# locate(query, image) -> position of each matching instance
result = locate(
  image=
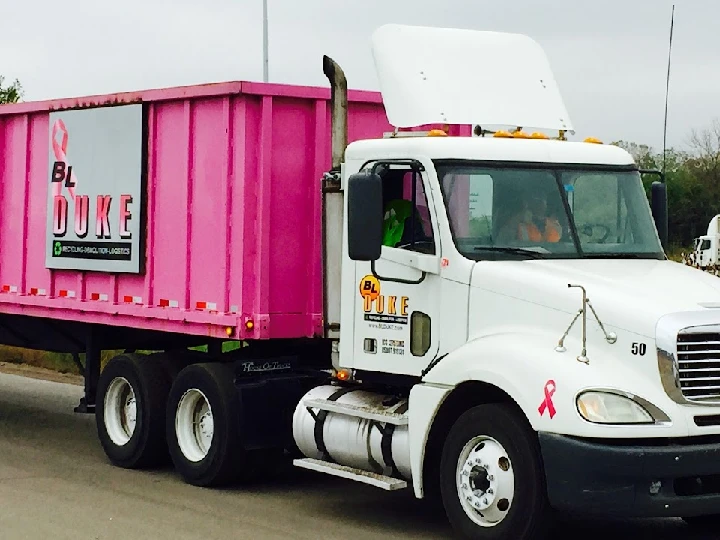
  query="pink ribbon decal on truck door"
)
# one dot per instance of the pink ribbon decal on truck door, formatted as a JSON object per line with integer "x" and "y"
{"x": 60, "y": 151}
{"x": 548, "y": 402}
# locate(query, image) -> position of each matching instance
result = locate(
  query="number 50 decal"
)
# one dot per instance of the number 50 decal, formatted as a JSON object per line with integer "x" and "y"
{"x": 638, "y": 349}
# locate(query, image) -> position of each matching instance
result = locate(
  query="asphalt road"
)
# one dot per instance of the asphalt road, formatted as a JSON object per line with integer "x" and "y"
{"x": 55, "y": 482}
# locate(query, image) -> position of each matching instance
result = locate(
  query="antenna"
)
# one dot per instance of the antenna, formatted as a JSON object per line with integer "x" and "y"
{"x": 667, "y": 87}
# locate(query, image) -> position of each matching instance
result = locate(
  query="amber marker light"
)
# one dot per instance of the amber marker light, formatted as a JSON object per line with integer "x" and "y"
{"x": 342, "y": 375}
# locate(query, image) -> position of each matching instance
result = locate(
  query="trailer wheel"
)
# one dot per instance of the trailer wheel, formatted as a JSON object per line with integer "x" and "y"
{"x": 172, "y": 362}
{"x": 203, "y": 425}
{"x": 130, "y": 411}
{"x": 491, "y": 476}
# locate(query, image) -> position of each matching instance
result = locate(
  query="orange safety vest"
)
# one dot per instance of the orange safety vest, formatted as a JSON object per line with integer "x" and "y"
{"x": 530, "y": 232}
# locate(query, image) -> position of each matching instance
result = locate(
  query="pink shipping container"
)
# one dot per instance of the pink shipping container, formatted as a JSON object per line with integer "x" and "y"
{"x": 232, "y": 212}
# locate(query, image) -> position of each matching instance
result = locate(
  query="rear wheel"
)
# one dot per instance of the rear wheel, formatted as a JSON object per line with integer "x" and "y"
{"x": 491, "y": 477}
{"x": 203, "y": 425}
{"x": 130, "y": 411}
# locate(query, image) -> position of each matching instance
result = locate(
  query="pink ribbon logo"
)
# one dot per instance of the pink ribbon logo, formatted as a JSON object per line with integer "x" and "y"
{"x": 60, "y": 151}
{"x": 547, "y": 402}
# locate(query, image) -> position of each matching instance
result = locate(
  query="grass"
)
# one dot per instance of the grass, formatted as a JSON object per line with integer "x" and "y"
{"x": 62, "y": 363}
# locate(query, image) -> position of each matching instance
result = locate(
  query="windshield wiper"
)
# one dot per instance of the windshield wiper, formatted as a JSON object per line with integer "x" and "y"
{"x": 621, "y": 255}
{"x": 517, "y": 251}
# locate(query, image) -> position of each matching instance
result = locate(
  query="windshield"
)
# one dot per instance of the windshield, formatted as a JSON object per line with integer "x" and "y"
{"x": 507, "y": 211}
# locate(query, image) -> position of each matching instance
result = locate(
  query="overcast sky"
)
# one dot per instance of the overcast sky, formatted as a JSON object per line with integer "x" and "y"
{"x": 609, "y": 57}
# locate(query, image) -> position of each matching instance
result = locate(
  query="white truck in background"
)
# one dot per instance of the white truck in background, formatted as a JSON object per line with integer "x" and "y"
{"x": 706, "y": 249}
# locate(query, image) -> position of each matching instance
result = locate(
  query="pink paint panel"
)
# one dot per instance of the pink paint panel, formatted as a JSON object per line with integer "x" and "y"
{"x": 233, "y": 215}
{"x": 167, "y": 224}
{"x": 36, "y": 213}
{"x": 14, "y": 137}
{"x": 208, "y": 207}
{"x": 291, "y": 219}
{"x": 251, "y": 261}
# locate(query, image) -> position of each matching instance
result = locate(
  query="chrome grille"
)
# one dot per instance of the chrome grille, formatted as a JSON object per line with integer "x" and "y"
{"x": 698, "y": 358}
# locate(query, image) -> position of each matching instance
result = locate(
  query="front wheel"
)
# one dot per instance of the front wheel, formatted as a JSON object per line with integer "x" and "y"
{"x": 491, "y": 476}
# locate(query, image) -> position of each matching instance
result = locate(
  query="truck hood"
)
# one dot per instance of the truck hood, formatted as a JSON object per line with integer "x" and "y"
{"x": 629, "y": 294}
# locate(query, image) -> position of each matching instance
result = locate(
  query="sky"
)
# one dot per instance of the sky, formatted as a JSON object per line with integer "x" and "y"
{"x": 609, "y": 58}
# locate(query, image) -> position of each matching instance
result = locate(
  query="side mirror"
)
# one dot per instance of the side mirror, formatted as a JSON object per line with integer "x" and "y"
{"x": 660, "y": 210}
{"x": 365, "y": 216}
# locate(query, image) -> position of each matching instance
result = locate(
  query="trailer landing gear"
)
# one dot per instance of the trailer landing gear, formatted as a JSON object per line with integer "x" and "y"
{"x": 91, "y": 370}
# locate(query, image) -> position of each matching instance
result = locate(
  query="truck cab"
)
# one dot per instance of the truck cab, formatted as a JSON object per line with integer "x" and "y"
{"x": 495, "y": 228}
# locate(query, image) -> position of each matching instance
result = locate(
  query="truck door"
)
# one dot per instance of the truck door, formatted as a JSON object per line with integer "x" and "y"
{"x": 397, "y": 299}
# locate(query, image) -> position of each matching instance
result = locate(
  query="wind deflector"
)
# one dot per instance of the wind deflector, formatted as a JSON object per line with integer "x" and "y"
{"x": 455, "y": 76}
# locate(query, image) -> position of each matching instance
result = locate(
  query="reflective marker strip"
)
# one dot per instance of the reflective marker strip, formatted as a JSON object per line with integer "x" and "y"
{"x": 34, "y": 291}
{"x": 132, "y": 299}
{"x": 169, "y": 303}
{"x": 210, "y": 306}
{"x": 98, "y": 297}
{"x": 8, "y": 289}
{"x": 66, "y": 294}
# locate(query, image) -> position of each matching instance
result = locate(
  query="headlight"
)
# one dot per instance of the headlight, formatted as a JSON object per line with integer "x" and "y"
{"x": 611, "y": 408}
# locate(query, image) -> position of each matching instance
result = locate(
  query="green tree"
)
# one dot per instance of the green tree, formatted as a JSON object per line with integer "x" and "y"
{"x": 693, "y": 181}
{"x": 641, "y": 153}
{"x": 10, "y": 94}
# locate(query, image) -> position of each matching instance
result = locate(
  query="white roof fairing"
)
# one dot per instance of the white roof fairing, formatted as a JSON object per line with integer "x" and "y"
{"x": 490, "y": 149}
{"x": 455, "y": 76}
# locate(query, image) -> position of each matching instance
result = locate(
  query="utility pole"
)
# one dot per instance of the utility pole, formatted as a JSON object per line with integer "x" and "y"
{"x": 265, "y": 41}
{"x": 667, "y": 87}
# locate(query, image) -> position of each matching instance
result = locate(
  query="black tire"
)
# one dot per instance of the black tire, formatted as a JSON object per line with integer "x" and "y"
{"x": 529, "y": 514}
{"x": 225, "y": 458}
{"x": 151, "y": 386}
{"x": 172, "y": 362}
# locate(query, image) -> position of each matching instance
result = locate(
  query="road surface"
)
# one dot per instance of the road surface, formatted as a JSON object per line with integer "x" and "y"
{"x": 55, "y": 482}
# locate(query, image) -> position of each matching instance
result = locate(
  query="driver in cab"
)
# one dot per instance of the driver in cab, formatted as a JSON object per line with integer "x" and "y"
{"x": 532, "y": 223}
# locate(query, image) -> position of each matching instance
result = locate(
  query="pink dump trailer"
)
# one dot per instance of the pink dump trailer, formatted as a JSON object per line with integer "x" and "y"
{"x": 193, "y": 210}
{"x": 170, "y": 219}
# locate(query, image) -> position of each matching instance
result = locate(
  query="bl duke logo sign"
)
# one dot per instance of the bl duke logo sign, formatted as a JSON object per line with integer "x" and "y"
{"x": 95, "y": 189}
{"x": 379, "y": 307}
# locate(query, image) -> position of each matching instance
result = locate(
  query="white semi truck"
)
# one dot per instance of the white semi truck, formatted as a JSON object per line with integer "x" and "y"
{"x": 706, "y": 249}
{"x": 554, "y": 357}
{"x": 501, "y": 329}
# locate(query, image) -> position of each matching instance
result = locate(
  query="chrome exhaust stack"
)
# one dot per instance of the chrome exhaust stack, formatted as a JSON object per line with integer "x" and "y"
{"x": 339, "y": 105}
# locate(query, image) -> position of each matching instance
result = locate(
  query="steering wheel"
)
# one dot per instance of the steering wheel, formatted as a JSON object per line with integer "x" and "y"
{"x": 588, "y": 229}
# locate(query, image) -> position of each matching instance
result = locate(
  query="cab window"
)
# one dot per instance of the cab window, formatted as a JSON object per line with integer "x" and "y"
{"x": 406, "y": 214}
